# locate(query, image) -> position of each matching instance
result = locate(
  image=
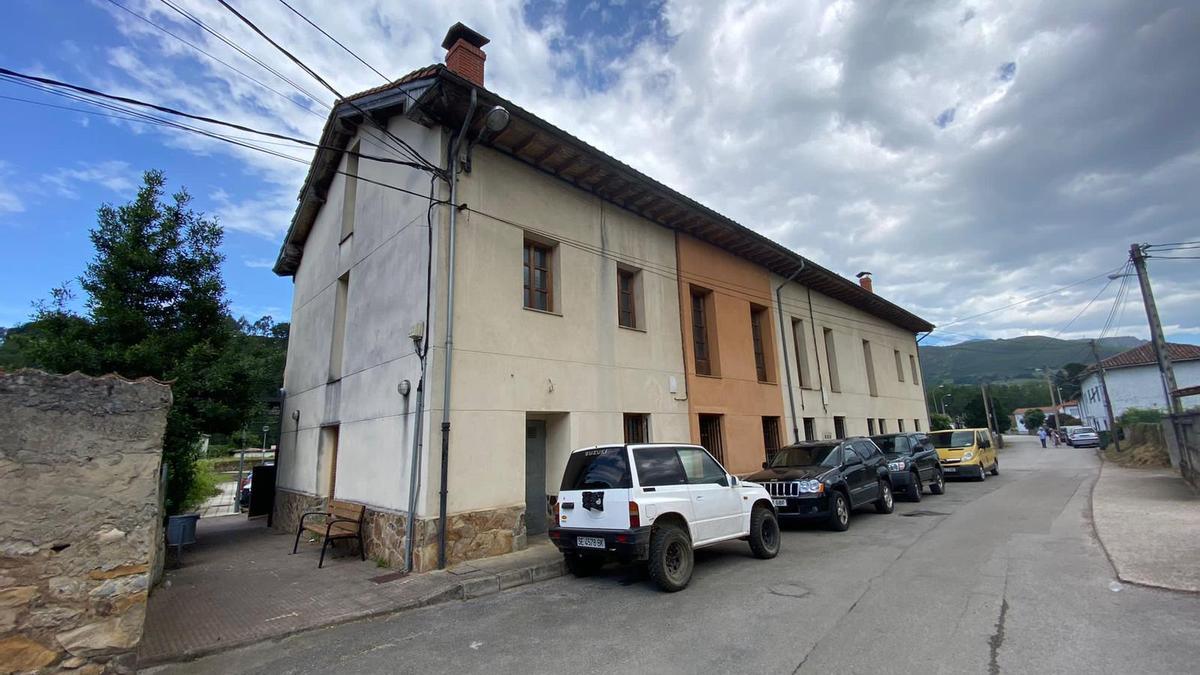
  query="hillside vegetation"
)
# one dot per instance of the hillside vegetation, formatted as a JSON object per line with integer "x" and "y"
{"x": 1003, "y": 360}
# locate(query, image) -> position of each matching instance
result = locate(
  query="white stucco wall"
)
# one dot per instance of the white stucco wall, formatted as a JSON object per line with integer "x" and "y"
{"x": 895, "y": 399}
{"x": 385, "y": 257}
{"x": 1134, "y": 387}
{"x": 510, "y": 361}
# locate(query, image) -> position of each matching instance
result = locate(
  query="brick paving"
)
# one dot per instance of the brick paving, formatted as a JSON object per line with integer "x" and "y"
{"x": 238, "y": 585}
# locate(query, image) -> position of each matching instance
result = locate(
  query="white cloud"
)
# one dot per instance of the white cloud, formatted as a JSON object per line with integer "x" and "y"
{"x": 113, "y": 175}
{"x": 9, "y": 201}
{"x": 258, "y": 263}
{"x": 813, "y": 122}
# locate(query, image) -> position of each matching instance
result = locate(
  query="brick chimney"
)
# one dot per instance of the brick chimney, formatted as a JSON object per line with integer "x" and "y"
{"x": 464, "y": 53}
{"x": 864, "y": 280}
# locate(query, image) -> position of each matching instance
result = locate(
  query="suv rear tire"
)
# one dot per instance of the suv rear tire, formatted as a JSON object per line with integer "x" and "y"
{"x": 764, "y": 533}
{"x": 996, "y": 468}
{"x": 887, "y": 501}
{"x": 671, "y": 559}
{"x": 938, "y": 486}
{"x": 839, "y": 512}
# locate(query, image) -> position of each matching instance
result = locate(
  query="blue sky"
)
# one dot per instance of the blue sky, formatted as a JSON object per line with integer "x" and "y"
{"x": 970, "y": 154}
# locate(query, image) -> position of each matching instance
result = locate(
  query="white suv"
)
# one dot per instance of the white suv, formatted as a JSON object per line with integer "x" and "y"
{"x": 656, "y": 503}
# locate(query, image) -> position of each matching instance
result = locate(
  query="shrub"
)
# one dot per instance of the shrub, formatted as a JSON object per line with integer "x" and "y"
{"x": 1133, "y": 416}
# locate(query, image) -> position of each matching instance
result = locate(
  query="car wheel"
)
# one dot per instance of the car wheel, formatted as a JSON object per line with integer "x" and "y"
{"x": 996, "y": 467}
{"x": 582, "y": 565}
{"x": 839, "y": 512}
{"x": 671, "y": 559}
{"x": 982, "y": 474}
{"x": 914, "y": 488}
{"x": 764, "y": 533}
{"x": 938, "y": 486}
{"x": 886, "y": 502}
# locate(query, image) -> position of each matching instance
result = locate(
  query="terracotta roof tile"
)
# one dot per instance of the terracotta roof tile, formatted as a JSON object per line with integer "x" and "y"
{"x": 1144, "y": 355}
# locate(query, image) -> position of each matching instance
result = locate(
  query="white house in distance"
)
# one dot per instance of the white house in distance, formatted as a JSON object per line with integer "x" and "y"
{"x": 1068, "y": 408}
{"x": 1134, "y": 382}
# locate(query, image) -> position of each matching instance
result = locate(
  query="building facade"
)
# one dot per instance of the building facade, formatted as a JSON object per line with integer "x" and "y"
{"x": 1134, "y": 381}
{"x": 556, "y": 299}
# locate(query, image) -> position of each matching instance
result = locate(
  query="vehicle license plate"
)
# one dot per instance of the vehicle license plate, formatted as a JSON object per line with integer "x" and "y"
{"x": 589, "y": 542}
{"x": 779, "y": 502}
{"x": 950, "y": 469}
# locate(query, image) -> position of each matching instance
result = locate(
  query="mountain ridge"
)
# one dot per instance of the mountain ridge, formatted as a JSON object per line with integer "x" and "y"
{"x": 1002, "y": 360}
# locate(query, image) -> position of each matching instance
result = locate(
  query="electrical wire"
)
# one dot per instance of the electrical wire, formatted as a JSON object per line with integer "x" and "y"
{"x": 335, "y": 40}
{"x": 220, "y": 61}
{"x": 414, "y": 154}
{"x": 1031, "y": 299}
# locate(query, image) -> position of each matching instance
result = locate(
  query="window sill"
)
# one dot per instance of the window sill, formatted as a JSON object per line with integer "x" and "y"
{"x": 767, "y": 382}
{"x": 632, "y": 328}
{"x": 540, "y": 311}
{"x": 709, "y": 376}
{"x": 332, "y": 380}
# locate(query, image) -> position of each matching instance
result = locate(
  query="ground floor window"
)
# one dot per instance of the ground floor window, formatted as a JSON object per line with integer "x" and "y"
{"x": 770, "y": 427}
{"x": 883, "y": 426}
{"x": 637, "y": 428}
{"x": 810, "y": 429}
{"x": 710, "y": 436}
{"x": 839, "y": 427}
{"x": 870, "y": 427}
{"x": 916, "y": 425}
{"x": 900, "y": 426}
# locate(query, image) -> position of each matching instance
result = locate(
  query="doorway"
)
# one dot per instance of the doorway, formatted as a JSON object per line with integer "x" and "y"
{"x": 535, "y": 477}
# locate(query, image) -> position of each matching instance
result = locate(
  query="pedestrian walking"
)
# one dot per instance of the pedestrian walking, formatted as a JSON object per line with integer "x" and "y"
{"x": 1054, "y": 437}
{"x": 1042, "y": 435}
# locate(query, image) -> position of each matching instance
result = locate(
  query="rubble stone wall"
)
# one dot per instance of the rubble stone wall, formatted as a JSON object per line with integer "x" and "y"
{"x": 469, "y": 536}
{"x": 80, "y": 459}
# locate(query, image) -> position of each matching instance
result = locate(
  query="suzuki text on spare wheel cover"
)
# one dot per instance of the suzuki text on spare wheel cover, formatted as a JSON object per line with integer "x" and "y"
{"x": 656, "y": 504}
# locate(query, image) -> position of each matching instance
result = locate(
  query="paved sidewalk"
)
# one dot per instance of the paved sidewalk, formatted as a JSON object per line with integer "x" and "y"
{"x": 1149, "y": 523}
{"x": 239, "y": 585}
{"x": 224, "y": 504}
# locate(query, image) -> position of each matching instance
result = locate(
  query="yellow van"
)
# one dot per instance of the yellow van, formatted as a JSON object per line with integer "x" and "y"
{"x": 966, "y": 452}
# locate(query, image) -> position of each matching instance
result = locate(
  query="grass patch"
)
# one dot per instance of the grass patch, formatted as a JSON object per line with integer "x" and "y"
{"x": 203, "y": 487}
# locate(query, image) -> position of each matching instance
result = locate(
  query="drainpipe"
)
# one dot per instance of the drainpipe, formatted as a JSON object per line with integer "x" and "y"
{"x": 452, "y": 170}
{"x": 787, "y": 366}
{"x": 414, "y": 475}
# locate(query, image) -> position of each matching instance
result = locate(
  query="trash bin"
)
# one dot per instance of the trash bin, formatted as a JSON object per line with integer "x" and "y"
{"x": 181, "y": 529}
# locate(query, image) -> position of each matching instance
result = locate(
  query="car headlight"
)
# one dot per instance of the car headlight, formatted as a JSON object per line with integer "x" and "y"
{"x": 967, "y": 455}
{"x": 811, "y": 486}
{"x": 898, "y": 465}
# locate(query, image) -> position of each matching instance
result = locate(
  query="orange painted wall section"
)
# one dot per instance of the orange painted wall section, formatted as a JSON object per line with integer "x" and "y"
{"x": 733, "y": 390}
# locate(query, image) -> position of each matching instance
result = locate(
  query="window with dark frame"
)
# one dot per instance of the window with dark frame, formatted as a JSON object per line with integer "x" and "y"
{"x": 710, "y": 436}
{"x": 900, "y": 425}
{"x": 539, "y": 284}
{"x": 700, "y": 343}
{"x": 770, "y": 427}
{"x": 756, "y": 330}
{"x": 839, "y": 427}
{"x": 626, "y": 298}
{"x": 916, "y": 425}
{"x": 882, "y": 426}
{"x": 637, "y": 428}
{"x": 810, "y": 428}
{"x": 870, "y": 427}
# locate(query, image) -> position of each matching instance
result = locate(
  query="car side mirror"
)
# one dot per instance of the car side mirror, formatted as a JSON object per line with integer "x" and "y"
{"x": 733, "y": 481}
{"x": 853, "y": 460}
{"x": 985, "y": 445}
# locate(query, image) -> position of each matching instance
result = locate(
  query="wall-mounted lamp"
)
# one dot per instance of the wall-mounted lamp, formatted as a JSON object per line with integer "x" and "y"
{"x": 296, "y": 415}
{"x": 404, "y": 387}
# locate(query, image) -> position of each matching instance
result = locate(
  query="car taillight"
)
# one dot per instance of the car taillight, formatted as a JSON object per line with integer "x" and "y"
{"x": 555, "y": 511}
{"x": 635, "y": 517}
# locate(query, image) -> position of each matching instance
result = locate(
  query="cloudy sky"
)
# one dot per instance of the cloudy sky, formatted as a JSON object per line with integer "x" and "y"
{"x": 969, "y": 154}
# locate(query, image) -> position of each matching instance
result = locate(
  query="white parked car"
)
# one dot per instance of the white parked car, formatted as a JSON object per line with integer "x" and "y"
{"x": 1083, "y": 437}
{"x": 656, "y": 503}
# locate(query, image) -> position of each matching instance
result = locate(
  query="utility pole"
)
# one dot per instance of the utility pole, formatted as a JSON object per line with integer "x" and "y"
{"x": 1112, "y": 424}
{"x": 987, "y": 408}
{"x": 1138, "y": 256}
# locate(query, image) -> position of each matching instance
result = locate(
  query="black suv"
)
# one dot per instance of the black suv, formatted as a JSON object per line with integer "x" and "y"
{"x": 825, "y": 480}
{"x": 913, "y": 463}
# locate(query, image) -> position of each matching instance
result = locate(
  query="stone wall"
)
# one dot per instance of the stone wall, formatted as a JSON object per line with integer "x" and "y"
{"x": 469, "y": 536}
{"x": 80, "y": 460}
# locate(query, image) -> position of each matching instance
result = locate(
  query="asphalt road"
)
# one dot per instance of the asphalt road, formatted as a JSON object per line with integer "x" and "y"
{"x": 1000, "y": 576}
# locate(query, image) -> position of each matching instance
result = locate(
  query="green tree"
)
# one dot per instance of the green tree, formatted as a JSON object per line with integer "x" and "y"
{"x": 155, "y": 307}
{"x": 1034, "y": 419}
{"x": 939, "y": 422}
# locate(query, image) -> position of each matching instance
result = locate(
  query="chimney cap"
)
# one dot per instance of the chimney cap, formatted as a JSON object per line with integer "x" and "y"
{"x": 460, "y": 31}
{"x": 862, "y": 274}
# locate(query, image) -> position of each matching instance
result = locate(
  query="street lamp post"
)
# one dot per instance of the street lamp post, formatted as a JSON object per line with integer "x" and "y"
{"x": 944, "y": 397}
{"x": 265, "y": 430}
